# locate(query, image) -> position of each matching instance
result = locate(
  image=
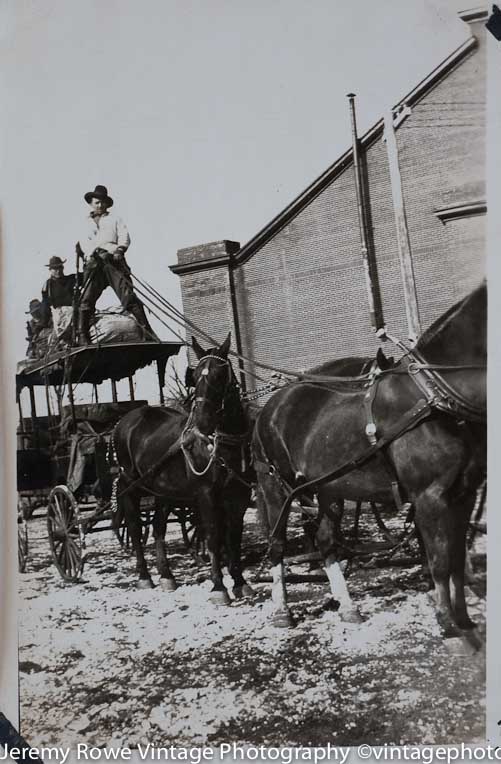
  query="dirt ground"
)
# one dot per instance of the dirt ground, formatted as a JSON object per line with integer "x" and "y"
{"x": 104, "y": 663}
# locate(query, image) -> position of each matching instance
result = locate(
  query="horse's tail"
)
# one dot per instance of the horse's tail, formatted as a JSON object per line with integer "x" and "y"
{"x": 259, "y": 461}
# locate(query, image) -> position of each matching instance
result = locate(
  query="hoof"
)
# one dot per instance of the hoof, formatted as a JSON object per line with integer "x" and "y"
{"x": 168, "y": 584}
{"x": 473, "y": 639}
{"x": 243, "y": 591}
{"x": 464, "y": 646}
{"x": 219, "y": 597}
{"x": 282, "y": 619}
{"x": 144, "y": 583}
{"x": 351, "y": 615}
{"x": 467, "y": 624}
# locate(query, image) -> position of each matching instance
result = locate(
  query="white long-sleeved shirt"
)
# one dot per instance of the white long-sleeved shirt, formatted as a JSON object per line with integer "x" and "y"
{"x": 107, "y": 231}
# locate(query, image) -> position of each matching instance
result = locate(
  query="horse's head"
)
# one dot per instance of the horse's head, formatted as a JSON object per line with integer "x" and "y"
{"x": 211, "y": 378}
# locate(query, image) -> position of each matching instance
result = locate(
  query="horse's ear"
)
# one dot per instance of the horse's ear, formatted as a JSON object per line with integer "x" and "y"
{"x": 223, "y": 350}
{"x": 382, "y": 361}
{"x": 189, "y": 378}
{"x": 197, "y": 349}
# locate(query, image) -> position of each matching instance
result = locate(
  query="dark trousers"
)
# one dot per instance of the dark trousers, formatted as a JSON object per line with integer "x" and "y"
{"x": 99, "y": 274}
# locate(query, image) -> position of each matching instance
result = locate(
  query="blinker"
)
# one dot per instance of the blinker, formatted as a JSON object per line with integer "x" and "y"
{"x": 205, "y": 372}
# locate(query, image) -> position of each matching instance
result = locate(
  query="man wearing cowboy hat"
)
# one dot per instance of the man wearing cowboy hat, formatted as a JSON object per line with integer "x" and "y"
{"x": 35, "y": 326}
{"x": 59, "y": 287}
{"x": 57, "y": 297}
{"x": 104, "y": 243}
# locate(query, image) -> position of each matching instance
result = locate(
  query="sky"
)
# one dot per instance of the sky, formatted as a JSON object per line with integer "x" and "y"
{"x": 203, "y": 118}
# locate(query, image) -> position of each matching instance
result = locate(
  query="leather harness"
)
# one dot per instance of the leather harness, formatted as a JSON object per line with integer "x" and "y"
{"x": 437, "y": 394}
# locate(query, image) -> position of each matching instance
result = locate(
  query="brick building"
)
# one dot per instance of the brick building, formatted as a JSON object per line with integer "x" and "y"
{"x": 295, "y": 295}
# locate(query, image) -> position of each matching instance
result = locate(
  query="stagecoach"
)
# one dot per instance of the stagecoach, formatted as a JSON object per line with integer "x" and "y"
{"x": 64, "y": 457}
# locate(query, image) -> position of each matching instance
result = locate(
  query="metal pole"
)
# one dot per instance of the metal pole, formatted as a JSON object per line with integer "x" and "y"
{"x": 404, "y": 245}
{"x": 50, "y": 420}
{"x": 362, "y": 221}
{"x": 131, "y": 388}
{"x": 34, "y": 422}
{"x": 236, "y": 326}
{"x": 21, "y": 421}
{"x": 20, "y": 409}
{"x": 59, "y": 395}
{"x": 72, "y": 405}
{"x": 160, "y": 386}
{"x": 114, "y": 391}
{"x": 96, "y": 393}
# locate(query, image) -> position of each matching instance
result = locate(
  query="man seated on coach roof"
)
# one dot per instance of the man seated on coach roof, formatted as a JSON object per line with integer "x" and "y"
{"x": 39, "y": 322}
{"x": 104, "y": 243}
{"x": 59, "y": 288}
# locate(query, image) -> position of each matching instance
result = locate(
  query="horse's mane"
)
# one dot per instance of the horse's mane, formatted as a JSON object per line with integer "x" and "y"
{"x": 443, "y": 320}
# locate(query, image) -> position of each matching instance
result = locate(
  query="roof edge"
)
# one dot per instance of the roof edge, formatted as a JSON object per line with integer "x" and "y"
{"x": 340, "y": 165}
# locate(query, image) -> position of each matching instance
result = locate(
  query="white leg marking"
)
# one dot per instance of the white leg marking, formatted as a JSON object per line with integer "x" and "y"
{"x": 278, "y": 591}
{"x": 337, "y": 581}
{"x": 347, "y": 609}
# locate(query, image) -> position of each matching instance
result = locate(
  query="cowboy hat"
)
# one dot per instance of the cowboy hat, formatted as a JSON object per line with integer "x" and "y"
{"x": 100, "y": 192}
{"x": 34, "y": 304}
{"x": 55, "y": 262}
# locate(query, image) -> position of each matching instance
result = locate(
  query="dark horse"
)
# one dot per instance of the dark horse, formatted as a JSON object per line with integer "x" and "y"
{"x": 195, "y": 459}
{"x": 430, "y": 436}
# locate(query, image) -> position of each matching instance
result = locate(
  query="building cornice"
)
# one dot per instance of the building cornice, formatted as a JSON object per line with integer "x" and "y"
{"x": 461, "y": 211}
{"x": 200, "y": 265}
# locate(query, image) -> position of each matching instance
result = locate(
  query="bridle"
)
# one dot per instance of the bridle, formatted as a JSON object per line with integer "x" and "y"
{"x": 438, "y": 392}
{"x": 191, "y": 432}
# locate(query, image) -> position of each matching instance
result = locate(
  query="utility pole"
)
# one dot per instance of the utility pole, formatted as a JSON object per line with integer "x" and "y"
{"x": 404, "y": 246}
{"x": 370, "y": 285}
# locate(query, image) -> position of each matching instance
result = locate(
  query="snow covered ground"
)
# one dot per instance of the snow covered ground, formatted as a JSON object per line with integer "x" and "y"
{"x": 104, "y": 663}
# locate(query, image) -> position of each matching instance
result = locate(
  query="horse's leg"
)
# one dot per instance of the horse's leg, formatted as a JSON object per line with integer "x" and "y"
{"x": 310, "y": 526}
{"x": 167, "y": 580}
{"x": 460, "y": 519}
{"x": 212, "y": 519}
{"x": 132, "y": 513}
{"x": 435, "y": 523}
{"x": 236, "y": 501}
{"x": 329, "y": 530}
{"x": 270, "y": 498}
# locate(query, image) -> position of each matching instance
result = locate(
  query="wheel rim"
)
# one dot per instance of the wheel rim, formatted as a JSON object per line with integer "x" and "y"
{"x": 65, "y": 536}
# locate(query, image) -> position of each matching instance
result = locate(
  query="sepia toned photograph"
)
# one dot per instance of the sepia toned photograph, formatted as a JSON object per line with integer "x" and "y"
{"x": 244, "y": 344}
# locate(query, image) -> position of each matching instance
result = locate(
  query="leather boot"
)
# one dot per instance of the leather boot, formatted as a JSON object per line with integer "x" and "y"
{"x": 147, "y": 333}
{"x": 83, "y": 327}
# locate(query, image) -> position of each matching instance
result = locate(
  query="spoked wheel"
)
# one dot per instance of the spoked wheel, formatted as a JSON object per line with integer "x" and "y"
{"x": 65, "y": 533}
{"x": 193, "y": 538}
{"x": 22, "y": 543}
